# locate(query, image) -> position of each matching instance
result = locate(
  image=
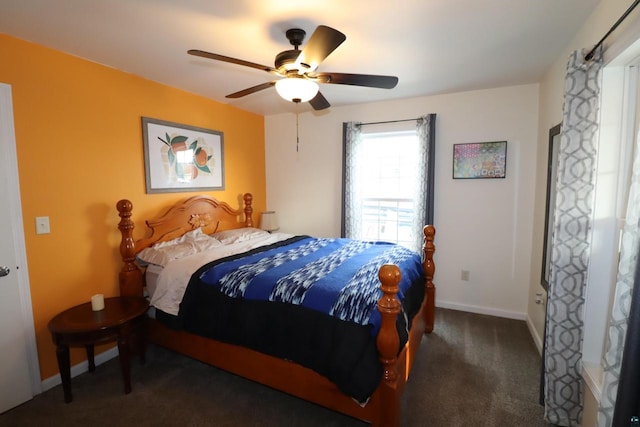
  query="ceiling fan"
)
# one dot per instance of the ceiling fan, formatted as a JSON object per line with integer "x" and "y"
{"x": 298, "y": 67}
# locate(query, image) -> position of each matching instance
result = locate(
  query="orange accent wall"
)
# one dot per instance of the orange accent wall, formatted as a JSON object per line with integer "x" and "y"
{"x": 79, "y": 143}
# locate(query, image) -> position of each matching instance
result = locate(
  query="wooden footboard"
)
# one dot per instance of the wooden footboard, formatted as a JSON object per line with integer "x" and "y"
{"x": 383, "y": 409}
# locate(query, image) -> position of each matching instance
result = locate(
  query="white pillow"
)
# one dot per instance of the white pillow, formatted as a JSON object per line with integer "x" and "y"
{"x": 188, "y": 244}
{"x": 237, "y": 235}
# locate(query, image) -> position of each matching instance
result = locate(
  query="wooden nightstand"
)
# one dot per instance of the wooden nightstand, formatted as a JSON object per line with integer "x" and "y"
{"x": 121, "y": 320}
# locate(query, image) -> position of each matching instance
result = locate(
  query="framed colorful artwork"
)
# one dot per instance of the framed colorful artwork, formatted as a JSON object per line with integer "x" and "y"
{"x": 182, "y": 158}
{"x": 480, "y": 160}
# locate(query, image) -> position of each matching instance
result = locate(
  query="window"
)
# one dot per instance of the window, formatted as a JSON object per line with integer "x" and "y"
{"x": 388, "y": 191}
{"x": 390, "y": 177}
{"x": 620, "y": 111}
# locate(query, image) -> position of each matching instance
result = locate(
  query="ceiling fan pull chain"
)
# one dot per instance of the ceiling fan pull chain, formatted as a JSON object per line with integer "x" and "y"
{"x": 297, "y": 131}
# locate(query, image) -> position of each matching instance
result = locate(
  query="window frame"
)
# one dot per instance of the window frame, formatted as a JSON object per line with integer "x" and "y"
{"x": 391, "y": 127}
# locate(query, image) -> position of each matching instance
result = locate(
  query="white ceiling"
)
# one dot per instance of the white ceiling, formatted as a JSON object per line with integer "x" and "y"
{"x": 433, "y": 46}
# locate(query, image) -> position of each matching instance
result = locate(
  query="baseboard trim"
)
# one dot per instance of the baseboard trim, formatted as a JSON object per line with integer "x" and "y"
{"x": 80, "y": 368}
{"x": 537, "y": 339}
{"x": 593, "y": 376}
{"x": 481, "y": 310}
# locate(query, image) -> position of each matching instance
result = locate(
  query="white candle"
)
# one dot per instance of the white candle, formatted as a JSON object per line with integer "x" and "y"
{"x": 97, "y": 302}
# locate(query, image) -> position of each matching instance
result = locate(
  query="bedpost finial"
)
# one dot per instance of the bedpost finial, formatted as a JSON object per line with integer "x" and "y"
{"x": 389, "y": 275}
{"x": 124, "y": 206}
{"x": 429, "y": 231}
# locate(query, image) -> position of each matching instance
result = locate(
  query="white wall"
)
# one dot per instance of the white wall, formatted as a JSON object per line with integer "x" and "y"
{"x": 484, "y": 226}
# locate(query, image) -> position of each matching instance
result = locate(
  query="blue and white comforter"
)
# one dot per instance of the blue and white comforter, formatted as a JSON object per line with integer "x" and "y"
{"x": 338, "y": 277}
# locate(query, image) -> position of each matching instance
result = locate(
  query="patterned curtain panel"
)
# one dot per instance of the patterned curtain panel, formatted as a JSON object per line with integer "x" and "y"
{"x": 352, "y": 209}
{"x": 426, "y": 131}
{"x": 423, "y": 125}
{"x": 563, "y": 392}
{"x": 612, "y": 359}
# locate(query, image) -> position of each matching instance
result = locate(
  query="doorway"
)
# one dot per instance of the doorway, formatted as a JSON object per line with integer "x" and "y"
{"x": 19, "y": 369}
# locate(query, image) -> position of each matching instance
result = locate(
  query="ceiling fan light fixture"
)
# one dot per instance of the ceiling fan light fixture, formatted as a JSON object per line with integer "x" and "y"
{"x": 296, "y": 89}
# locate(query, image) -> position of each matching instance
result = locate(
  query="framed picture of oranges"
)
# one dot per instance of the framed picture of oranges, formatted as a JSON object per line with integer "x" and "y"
{"x": 181, "y": 158}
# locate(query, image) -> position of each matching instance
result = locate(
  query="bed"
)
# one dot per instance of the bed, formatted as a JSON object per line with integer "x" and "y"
{"x": 394, "y": 350}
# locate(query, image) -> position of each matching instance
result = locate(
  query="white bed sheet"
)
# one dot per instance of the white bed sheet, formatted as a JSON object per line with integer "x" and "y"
{"x": 171, "y": 282}
{"x": 151, "y": 274}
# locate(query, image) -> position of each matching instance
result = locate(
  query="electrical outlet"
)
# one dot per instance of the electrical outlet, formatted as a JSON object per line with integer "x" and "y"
{"x": 42, "y": 225}
{"x": 464, "y": 275}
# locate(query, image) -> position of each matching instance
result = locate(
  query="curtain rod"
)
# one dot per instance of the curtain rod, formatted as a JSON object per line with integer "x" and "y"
{"x": 589, "y": 55}
{"x": 394, "y": 121}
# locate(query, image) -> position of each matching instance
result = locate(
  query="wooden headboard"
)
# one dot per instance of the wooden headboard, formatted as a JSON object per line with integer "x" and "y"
{"x": 195, "y": 212}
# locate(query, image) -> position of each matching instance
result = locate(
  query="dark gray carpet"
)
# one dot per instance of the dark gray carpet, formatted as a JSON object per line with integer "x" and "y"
{"x": 473, "y": 370}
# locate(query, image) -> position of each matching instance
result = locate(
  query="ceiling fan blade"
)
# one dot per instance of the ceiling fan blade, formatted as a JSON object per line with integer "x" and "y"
{"x": 319, "y": 102}
{"x": 368, "y": 80}
{"x": 236, "y": 61}
{"x": 251, "y": 90}
{"x": 323, "y": 41}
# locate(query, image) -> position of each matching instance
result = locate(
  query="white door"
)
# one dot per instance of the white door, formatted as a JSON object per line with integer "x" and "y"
{"x": 19, "y": 372}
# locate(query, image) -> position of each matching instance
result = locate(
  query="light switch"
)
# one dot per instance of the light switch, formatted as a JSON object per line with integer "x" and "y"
{"x": 42, "y": 225}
